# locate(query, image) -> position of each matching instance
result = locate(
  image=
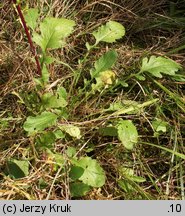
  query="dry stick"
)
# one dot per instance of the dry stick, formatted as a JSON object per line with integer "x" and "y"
{"x": 32, "y": 47}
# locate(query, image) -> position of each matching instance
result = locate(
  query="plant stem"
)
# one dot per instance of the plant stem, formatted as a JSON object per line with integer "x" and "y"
{"x": 32, "y": 47}
{"x": 180, "y": 155}
{"x": 83, "y": 61}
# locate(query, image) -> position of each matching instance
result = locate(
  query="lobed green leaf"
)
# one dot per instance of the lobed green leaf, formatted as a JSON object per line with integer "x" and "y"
{"x": 31, "y": 16}
{"x": 93, "y": 174}
{"x": 39, "y": 122}
{"x": 110, "y": 32}
{"x": 53, "y": 32}
{"x": 157, "y": 65}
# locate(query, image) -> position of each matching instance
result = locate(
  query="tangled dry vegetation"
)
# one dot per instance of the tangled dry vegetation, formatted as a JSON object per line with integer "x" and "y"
{"x": 153, "y": 27}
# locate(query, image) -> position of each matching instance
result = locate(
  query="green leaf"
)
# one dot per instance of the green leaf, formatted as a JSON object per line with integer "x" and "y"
{"x": 76, "y": 172}
{"x": 110, "y": 32}
{"x": 46, "y": 140}
{"x": 39, "y": 122}
{"x": 49, "y": 100}
{"x": 3, "y": 124}
{"x": 45, "y": 74}
{"x": 18, "y": 168}
{"x": 42, "y": 184}
{"x": 104, "y": 63}
{"x": 140, "y": 77}
{"x": 159, "y": 125}
{"x": 59, "y": 134}
{"x": 88, "y": 46}
{"x": 134, "y": 105}
{"x": 125, "y": 171}
{"x": 79, "y": 189}
{"x": 59, "y": 159}
{"x": 126, "y": 104}
{"x": 124, "y": 185}
{"x": 53, "y": 32}
{"x": 93, "y": 173}
{"x": 31, "y": 17}
{"x": 157, "y": 65}
{"x": 45, "y": 77}
{"x": 115, "y": 106}
{"x": 61, "y": 91}
{"x": 71, "y": 151}
{"x": 179, "y": 77}
{"x": 62, "y": 112}
{"x": 57, "y": 100}
{"x": 127, "y": 133}
{"x": 122, "y": 83}
{"x": 137, "y": 179}
{"x": 72, "y": 130}
{"x": 48, "y": 60}
{"x": 129, "y": 174}
{"x": 108, "y": 131}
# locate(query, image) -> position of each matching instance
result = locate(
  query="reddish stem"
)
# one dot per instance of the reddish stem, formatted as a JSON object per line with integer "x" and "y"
{"x": 32, "y": 47}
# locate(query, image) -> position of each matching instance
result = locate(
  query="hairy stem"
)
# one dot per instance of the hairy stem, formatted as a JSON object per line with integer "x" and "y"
{"x": 32, "y": 47}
